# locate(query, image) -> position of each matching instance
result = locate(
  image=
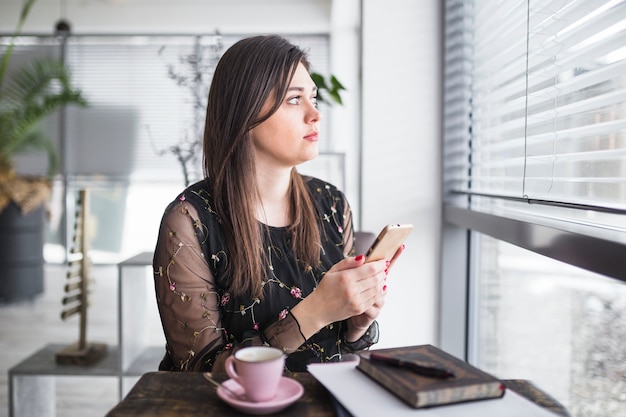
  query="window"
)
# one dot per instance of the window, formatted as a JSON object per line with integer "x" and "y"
{"x": 560, "y": 326}
{"x": 535, "y": 155}
{"x": 144, "y": 100}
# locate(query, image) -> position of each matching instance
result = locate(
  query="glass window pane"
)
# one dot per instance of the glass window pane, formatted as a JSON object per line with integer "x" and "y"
{"x": 561, "y": 327}
{"x": 146, "y": 101}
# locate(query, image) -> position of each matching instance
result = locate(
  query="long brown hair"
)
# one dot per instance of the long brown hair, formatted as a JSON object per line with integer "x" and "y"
{"x": 252, "y": 72}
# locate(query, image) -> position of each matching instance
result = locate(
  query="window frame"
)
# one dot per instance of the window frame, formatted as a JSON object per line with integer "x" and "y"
{"x": 582, "y": 246}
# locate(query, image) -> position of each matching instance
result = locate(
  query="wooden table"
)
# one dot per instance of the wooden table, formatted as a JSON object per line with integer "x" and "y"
{"x": 177, "y": 394}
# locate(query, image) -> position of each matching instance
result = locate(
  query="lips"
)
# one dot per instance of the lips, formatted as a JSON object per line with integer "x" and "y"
{"x": 312, "y": 137}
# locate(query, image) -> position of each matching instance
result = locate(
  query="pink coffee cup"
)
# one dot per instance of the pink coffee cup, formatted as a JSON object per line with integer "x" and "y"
{"x": 258, "y": 370}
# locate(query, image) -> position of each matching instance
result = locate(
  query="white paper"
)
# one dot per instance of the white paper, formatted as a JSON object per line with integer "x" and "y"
{"x": 363, "y": 397}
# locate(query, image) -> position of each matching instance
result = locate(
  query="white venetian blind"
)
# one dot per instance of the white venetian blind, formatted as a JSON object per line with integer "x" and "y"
{"x": 546, "y": 81}
{"x": 457, "y": 94}
{"x": 138, "y": 112}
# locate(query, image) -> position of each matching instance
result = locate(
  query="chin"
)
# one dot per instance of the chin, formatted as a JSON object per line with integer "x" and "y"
{"x": 312, "y": 156}
{"x": 308, "y": 158}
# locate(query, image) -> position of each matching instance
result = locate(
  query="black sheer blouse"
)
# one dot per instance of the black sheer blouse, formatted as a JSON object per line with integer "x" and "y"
{"x": 203, "y": 323}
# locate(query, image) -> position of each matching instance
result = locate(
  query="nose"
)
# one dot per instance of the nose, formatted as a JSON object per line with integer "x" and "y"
{"x": 313, "y": 113}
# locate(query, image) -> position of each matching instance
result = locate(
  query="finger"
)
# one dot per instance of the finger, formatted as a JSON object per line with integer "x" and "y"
{"x": 366, "y": 276}
{"x": 396, "y": 255}
{"x": 374, "y": 293}
{"x": 373, "y": 312}
{"x": 348, "y": 263}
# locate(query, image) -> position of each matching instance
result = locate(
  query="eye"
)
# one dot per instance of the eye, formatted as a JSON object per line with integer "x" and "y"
{"x": 294, "y": 100}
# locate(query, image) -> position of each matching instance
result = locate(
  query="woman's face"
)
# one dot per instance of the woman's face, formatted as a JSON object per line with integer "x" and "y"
{"x": 289, "y": 136}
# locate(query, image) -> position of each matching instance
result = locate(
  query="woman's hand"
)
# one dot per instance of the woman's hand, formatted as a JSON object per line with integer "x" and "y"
{"x": 358, "y": 325}
{"x": 348, "y": 289}
{"x": 351, "y": 289}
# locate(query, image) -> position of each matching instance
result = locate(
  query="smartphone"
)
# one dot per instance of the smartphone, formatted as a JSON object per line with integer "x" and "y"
{"x": 388, "y": 242}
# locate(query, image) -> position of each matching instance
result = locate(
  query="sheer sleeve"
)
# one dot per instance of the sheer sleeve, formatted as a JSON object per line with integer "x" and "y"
{"x": 348, "y": 230}
{"x": 370, "y": 337}
{"x": 187, "y": 297}
{"x": 189, "y": 301}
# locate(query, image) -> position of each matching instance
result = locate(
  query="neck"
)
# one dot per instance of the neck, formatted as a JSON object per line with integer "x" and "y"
{"x": 273, "y": 187}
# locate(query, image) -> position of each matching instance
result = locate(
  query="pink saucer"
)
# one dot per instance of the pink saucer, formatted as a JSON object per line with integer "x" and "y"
{"x": 289, "y": 391}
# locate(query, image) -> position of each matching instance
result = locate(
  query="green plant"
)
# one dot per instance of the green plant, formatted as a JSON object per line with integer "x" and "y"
{"x": 332, "y": 87}
{"x": 26, "y": 97}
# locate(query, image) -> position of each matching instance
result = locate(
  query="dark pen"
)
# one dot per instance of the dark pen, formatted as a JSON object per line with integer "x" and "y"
{"x": 429, "y": 371}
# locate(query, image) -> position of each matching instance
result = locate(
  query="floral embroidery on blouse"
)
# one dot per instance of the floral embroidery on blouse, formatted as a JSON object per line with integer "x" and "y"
{"x": 211, "y": 320}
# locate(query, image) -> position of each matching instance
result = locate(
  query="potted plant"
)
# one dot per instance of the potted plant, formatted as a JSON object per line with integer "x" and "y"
{"x": 332, "y": 86}
{"x": 27, "y": 96}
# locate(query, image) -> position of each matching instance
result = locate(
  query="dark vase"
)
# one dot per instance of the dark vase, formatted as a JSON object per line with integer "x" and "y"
{"x": 21, "y": 253}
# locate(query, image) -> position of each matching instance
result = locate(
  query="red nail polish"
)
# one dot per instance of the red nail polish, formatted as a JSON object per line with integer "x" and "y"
{"x": 384, "y": 288}
{"x": 358, "y": 258}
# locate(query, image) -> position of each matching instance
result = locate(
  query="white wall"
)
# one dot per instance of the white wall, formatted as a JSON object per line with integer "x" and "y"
{"x": 401, "y": 169}
{"x": 400, "y": 129}
{"x": 171, "y": 16}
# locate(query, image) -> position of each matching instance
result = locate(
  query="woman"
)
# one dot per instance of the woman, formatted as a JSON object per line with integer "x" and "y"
{"x": 255, "y": 253}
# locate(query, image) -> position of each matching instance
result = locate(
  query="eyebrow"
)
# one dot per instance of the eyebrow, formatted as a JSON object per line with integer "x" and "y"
{"x": 295, "y": 88}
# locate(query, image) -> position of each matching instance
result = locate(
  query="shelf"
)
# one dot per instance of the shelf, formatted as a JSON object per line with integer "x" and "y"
{"x": 32, "y": 381}
{"x": 43, "y": 363}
